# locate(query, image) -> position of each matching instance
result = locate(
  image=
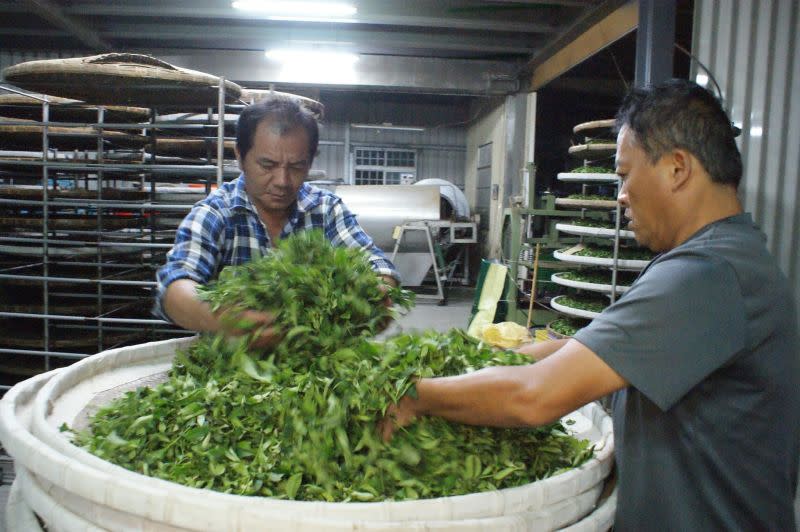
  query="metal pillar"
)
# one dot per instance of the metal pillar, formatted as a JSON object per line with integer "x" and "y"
{"x": 655, "y": 40}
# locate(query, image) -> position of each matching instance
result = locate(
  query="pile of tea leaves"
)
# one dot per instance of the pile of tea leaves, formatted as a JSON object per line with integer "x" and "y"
{"x": 567, "y": 326}
{"x": 322, "y": 296}
{"x": 299, "y": 422}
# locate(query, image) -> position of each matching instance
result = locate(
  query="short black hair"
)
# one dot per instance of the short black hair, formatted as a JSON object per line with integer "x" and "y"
{"x": 679, "y": 113}
{"x": 285, "y": 112}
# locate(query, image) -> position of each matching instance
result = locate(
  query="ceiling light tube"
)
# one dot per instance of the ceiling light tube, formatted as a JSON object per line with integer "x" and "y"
{"x": 298, "y": 9}
{"x": 388, "y": 126}
{"x": 287, "y": 55}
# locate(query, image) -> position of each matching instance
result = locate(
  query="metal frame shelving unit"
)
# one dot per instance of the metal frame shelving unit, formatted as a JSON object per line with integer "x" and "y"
{"x": 615, "y": 264}
{"x": 117, "y": 262}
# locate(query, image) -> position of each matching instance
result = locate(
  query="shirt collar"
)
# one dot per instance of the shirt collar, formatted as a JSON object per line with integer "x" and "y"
{"x": 307, "y": 198}
{"x": 240, "y": 198}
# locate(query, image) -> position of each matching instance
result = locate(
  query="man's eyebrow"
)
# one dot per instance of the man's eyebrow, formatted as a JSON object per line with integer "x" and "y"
{"x": 267, "y": 160}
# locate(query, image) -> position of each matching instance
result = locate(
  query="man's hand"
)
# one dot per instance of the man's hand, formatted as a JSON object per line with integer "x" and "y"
{"x": 235, "y": 322}
{"x": 397, "y": 416}
{"x": 386, "y": 282}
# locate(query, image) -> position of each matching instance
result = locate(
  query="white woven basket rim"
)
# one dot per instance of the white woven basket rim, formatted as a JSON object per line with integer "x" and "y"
{"x": 69, "y": 464}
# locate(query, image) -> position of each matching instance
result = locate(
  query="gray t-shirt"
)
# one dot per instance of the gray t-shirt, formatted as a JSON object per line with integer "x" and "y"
{"x": 708, "y": 432}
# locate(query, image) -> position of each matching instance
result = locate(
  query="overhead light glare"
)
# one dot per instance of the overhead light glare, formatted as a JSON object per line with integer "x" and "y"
{"x": 294, "y": 10}
{"x": 756, "y": 131}
{"x": 308, "y": 18}
{"x": 315, "y": 66}
{"x": 311, "y": 57}
{"x": 701, "y": 80}
{"x": 387, "y": 125}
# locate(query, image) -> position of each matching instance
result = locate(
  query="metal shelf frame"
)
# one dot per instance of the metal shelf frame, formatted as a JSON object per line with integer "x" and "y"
{"x": 94, "y": 168}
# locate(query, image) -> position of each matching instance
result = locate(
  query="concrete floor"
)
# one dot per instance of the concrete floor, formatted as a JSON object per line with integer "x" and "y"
{"x": 427, "y": 314}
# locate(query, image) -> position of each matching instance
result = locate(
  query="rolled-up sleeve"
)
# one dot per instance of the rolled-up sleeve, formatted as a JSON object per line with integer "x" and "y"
{"x": 196, "y": 254}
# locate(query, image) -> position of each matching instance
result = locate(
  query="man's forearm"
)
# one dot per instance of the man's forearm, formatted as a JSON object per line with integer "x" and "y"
{"x": 184, "y": 307}
{"x": 540, "y": 350}
{"x": 501, "y": 397}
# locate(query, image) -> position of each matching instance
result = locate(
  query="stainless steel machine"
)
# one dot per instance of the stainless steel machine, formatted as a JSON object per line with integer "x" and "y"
{"x": 425, "y": 228}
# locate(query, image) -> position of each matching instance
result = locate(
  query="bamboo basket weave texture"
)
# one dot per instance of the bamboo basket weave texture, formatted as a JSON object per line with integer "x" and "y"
{"x": 121, "y": 79}
{"x": 251, "y": 96}
{"x": 17, "y": 135}
{"x": 66, "y": 109}
{"x": 19, "y": 516}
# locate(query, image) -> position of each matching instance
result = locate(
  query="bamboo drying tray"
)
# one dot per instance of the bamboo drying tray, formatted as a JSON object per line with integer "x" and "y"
{"x": 594, "y": 124}
{"x": 592, "y": 150}
{"x": 193, "y": 147}
{"x": 16, "y": 133}
{"x": 121, "y": 79}
{"x": 34, "y": 192}
{"x": 250, "y": 96}
{"x": 66, "y": 109}
{"x": 65, "y": 223}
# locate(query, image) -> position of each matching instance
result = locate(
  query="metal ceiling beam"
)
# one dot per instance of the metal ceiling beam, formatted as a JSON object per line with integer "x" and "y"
{"x": 655, "y": 41}
{"x": 608, "y": 30}
{"x": 53, "y": 14}
{"x": 264, "y": 37}
{"x": 387, "y": 73}
{"x": 376, "y": 12}
{"x": 571, "y": 3}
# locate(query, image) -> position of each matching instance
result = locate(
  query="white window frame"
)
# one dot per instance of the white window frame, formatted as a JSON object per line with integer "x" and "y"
{"x": 408, "y": 173}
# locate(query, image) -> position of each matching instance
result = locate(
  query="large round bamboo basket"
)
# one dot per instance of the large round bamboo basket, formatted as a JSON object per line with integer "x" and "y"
{"x": 34, "y": 192}
{"x": 188, "y": 147}
{"x": 58, "y": 222}
{"x": 16, "y": 133}
{"x": 66, "y": 109}
{"x": 121, "y": 79}
{"x": 45, "y": 506}
{"x": 77, "y": 479}
{"x": 251, "y": 96}
{"x": 19, "y": 516}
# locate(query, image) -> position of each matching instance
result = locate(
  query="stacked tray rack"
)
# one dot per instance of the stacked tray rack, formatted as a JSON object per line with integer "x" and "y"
{"x": 605, "y": 271}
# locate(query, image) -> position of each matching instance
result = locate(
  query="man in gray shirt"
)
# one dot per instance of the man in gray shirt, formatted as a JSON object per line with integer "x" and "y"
{"x": 702, "y": 351}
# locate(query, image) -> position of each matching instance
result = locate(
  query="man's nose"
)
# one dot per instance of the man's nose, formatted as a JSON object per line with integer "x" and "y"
{"x": 622, "y": 195}
{"x": 281, "y": 174}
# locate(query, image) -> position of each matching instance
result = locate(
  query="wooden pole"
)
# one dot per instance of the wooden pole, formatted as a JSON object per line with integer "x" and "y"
{"x": 533, "y": 285}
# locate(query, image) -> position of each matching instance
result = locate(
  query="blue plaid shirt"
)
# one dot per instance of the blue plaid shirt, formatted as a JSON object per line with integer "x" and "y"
{"x": 224, "y": 229}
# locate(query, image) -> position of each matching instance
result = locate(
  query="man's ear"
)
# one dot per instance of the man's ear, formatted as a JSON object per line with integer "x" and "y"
{"x": 683, "y": 164}
{"x": 238, "y": 158}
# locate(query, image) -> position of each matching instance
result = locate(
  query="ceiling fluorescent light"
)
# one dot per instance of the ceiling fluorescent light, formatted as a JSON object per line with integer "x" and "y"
{"x": 315, "y": 66}
{"x": 388, "y": 126}
{"x": 285, "y": 55}
{"x": 297, "y": 10}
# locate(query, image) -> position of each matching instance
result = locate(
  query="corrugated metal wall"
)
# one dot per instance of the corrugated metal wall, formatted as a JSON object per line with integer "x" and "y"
{"x": 441, "y": 152}
{"x": 752, "y": 48}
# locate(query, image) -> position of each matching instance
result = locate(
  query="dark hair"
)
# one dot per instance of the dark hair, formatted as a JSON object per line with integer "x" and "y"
{"x": 285, "y": 113}
{"x": 679, "y": 113}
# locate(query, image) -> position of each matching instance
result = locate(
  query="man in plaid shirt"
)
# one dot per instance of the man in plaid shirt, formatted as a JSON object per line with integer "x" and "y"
{"x": 276, "y": 141}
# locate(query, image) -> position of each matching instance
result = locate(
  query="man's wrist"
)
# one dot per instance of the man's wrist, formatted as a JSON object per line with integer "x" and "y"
{"x": 388, "y": 279}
